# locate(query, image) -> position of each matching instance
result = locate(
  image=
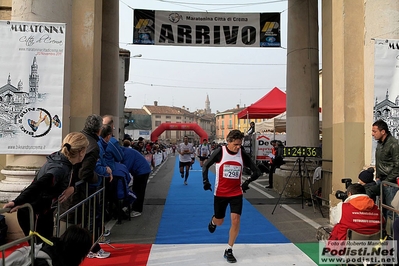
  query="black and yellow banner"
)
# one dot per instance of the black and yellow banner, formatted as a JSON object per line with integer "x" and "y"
{"x": 206, "y": 29}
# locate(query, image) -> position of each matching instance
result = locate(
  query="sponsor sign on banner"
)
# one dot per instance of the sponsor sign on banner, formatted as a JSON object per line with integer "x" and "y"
{"x": 144, "y": 133}
{"x": 206, "y": 29}
{"x": 157, "y": 157}
{"x": 31, "y": 86}
{"x": 247, "y": 144}
{"x": 263, "y": 147}
{"x": 386, "y": 86}
{"x": 148, "y": 158}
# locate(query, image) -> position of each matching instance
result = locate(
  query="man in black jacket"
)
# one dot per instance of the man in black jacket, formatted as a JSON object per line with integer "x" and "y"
{"x": 85, "y": 170}
{"x": 386, "y": 158}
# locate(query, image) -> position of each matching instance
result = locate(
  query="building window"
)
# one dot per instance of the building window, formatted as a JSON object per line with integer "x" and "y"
{"x": 168, "y": 117}
{"x": 230, "y": 125}
{"x": 178, "y": 117}
{"x": 157, "y": 123}
{"x": 157, "y": 116}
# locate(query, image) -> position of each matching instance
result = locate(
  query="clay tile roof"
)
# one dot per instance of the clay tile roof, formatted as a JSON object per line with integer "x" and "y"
{"x": 234, "y": 110}
{"x": 208, "y": 116}
{"x": 166, "y": 110}
{"x": 136, "y": 111}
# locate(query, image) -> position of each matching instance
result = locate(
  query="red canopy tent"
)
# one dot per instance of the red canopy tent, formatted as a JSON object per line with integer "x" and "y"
{"x": 270, "y": 105}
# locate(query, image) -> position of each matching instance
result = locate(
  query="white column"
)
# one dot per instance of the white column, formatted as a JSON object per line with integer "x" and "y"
{"x": 302, "y": 74}
{"x": 110, "y": 62}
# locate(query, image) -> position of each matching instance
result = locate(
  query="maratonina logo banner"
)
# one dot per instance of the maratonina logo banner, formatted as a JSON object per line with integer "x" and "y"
{"x": 206, "y": 29}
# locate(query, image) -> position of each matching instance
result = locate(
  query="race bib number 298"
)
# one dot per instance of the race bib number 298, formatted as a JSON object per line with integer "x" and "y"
{"x": 231, "y": 171}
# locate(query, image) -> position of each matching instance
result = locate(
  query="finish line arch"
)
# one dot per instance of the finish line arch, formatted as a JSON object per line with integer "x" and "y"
{"x": 178, "y": 126}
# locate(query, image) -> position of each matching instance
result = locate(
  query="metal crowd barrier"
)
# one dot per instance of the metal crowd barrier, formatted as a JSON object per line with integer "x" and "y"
{"x": 88, "y": 218}
{"x": 30, "y": 238}
{"x": 88, "y": 210}
{"x": 390, "y": 215}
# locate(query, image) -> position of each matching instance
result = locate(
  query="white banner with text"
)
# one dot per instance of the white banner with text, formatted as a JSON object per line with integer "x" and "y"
{"x": 31, "y": 86}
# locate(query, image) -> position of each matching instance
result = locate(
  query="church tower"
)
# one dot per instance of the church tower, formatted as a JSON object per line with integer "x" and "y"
{"x": 33, "y": 82}
{"x": 207, "y": 105}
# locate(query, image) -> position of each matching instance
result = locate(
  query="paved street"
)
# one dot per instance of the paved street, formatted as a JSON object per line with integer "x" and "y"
{"x": 295, "y": 223}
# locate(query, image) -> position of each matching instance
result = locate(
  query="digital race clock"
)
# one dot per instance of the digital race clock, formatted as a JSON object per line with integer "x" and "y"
{"x": 301, "y": 152}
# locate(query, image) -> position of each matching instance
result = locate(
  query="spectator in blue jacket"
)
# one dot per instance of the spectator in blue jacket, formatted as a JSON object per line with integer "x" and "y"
{"x": 102, "y": 169}
{"x": 113, "y": 152}
{"x": 140, "y": 169}
{"x": 111, "y": 155}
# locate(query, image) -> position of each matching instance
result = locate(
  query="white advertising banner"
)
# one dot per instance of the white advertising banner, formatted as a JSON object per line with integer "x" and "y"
{"x": 157, "y": 157}
{"x": 31, "y": 86}
{"x": 386, "y": 71}
{"x": 263, "y": 147}
{"x": 386, "y": 86}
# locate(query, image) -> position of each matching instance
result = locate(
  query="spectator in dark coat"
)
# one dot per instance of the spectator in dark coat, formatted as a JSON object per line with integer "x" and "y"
{"x": 52, "y": 183}
{"x": 86, "y": 169}
{"x": 251, "y": 129}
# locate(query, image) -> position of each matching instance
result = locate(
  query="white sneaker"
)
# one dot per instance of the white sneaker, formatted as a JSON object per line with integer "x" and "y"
{"x": 135, "y": 214}
{"x": 107, "y": 232}
{"x": 104, "y": 240}
{"x": 101, "y": 254}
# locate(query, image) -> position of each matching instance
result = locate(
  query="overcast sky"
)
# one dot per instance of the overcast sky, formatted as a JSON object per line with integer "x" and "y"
{"x": 184, "y": 76}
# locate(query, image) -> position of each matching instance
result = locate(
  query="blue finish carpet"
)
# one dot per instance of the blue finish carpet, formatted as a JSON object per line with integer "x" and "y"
{"x": 188, "y": 210}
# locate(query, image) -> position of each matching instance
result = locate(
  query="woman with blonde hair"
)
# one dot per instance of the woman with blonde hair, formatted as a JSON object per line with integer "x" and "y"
{"x": 51, "y": 183}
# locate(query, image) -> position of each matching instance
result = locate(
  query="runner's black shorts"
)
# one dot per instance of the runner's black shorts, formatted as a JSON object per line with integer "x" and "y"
{"x": 202, "y": 158}
{"x": 182, "y": 164}
{"x": 220, "y": 205}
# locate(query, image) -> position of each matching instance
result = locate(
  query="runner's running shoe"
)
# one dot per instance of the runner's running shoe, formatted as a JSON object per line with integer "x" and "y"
{"x": 211, "y": 227}
{"x": 228, "y": 255}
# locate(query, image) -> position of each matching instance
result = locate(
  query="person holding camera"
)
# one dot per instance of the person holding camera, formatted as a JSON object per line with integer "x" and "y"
{"x": 366, "y": 179}
{"x": 358, "y": 212}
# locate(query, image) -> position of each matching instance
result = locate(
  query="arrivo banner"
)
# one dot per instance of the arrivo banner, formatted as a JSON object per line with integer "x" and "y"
{"x": 206, "y": 29}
